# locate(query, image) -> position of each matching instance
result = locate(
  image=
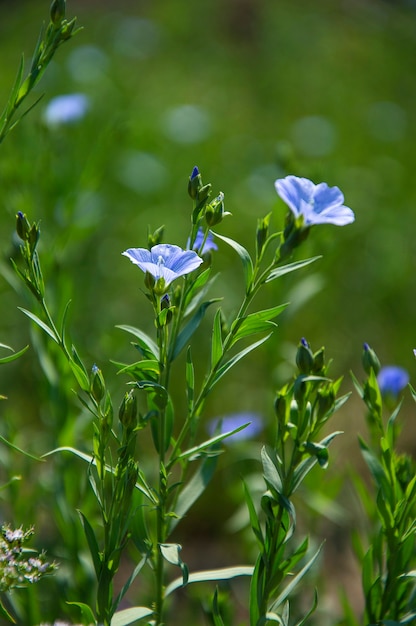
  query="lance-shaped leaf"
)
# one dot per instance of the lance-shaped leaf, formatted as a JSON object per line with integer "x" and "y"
{"x": 12, "y": 357}
{"x": 244, "y": 256}
{"x": 130, "y": 616}
{"x": 216, "y": 343}
{"x": 256, "y": 322}
{"x": 144, "y": 339}
{"x": 290, "y": 267}
{"x": 40, "y": 323}
{"x": 189, "y": 329}
{"x": 211, "y": 575}
{"x": 231, "y": 362}
{"x": 147, "y": 369}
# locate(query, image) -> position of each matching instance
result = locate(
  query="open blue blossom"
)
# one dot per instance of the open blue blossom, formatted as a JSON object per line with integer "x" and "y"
{"x": 66, "y": 109}
{"x": 164, "y": 261}
{"x": 317, "y": 204}
{"x": 208, "y": 245}
{"x": 220, "y": 425}
{"x": 392, "y": 380}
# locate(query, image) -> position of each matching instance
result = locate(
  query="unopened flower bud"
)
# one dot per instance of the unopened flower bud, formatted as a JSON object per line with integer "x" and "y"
{"x": 22, "y": 226}
{"x": 319, "y": 361}
{"x": 154, "y": 239}
{"x": 262, "y": 232}
{"x": 280, "y": 406}
{"x": 370, "y": 360}
{"x": 203, "y": 194}
{"x": 97, "y": 384}
{"x": 214, "y": 213}
{"x": 128, "y": 411}
{"x": 304, "y": 357}
{"x": 57, "y": 12}
{"x": 326, "y": 399}
{"x": 195, "y": 183}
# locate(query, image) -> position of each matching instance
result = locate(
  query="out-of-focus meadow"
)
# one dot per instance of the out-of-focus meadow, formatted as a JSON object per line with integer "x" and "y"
{"x": 249, "y": 91}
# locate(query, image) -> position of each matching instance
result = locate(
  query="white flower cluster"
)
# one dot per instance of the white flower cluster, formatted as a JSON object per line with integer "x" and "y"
{"x": 17, "y": 568}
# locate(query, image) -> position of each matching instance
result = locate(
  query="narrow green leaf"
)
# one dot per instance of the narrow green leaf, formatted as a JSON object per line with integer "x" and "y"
{"x": 216, "y": 610}
{"x": 310, "y": 612}
{"x": 216, "y": 343}
{"x": 189, "y": 329}
{"x": 5, "y": 613}
{"x": 211, "y": 575}
{"x": 196, "y": 450}
{"x": 231, "y": 362}
{"x": 17, "y": 449}
{"x": 131, "y": 615}
{"x": 295, "y": 580}
{"x": 143, "y": 338}
{"x": 254, "y": 520}
{"x": 141, "y": 370}
{"x": 198, "y": 291}
{"x": 192, "y": 490}
{"x": 190, "y": 380}
{"x": 257, "y": 322}
{"x": 92, "y": 543}
{"x": 81, "y": 377}
{"x": 14, "y": 356}
{"x": 270, "y": 471}
{"x": 86, "y": 612}
{"x": 39, "y": 322}
{"x": 291, "y": 267}
{"x": 244, "y": 256}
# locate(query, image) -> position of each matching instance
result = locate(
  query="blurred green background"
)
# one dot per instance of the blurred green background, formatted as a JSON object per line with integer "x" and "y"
{"x": 249, "y": 91}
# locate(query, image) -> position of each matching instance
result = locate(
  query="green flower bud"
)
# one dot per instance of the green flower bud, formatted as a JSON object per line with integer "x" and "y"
{"x": 155, "y": 238}
{"x": 370, "y": 360}
{"x": 128, "y": 411}
{"x": 214, "y": 213}
{"x": 262, "y": 232}
{"x": 280, "y": 407}
{"x": 304, "y": 357}
{"x": 57, "y": 12}
{"x": 22, "y": 226}
{"x": 194, "y": 183}
{"x": 319, "y": 361}
{"x": 325, "y": 401}
{"x": 97, "y": 384}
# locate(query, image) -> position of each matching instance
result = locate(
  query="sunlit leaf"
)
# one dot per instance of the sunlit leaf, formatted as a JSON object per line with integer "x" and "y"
{"x": 189, "y": 329}
{"x": 40, "y": 323}
{"x": 211, "y": 575}
{"x": 290, "y": 267}
{"x": 130, "y": 616}
{"x": 244, "y": 256}
{"x": 257, "y": 322}
{"x": 143, "y": 339}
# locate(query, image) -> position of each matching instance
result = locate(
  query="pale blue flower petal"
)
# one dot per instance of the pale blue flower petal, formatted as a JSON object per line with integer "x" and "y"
{"x": 165, "y": 261}
{"x": 392, "y": 380}
{"x": 66, "y": 109}
{"x": 318, "y": 204}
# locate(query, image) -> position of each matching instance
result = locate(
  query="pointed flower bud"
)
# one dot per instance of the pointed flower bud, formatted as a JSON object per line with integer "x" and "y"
{"x": 57, "y": 12}
{"x": 304, "y": 357}
{"x": 97, "y": 384}
{"x": 194, "y": 183}
{"x": 214, "y": 213}
{"x": 370, "y": 360}
{"x": 128, "y": 411}
{"x": 22, "y": 226}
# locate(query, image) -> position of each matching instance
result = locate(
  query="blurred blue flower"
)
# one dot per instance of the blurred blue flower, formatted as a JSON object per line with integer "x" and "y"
{"x": 209, "y": 244}
{"x": 66, "y": 109}
{"x": 317, "y": 204}
{"x": 392, "y": 380}
{"x": 220, "y": 425}
{"x": 164, "y": 261}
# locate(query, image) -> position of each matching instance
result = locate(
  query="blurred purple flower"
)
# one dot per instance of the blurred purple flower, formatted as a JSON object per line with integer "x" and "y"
{"x": 221, "y": 425}
{"x": 392, "y": 380}
{"x": 164, "y": 261}
{"x": 66, "y": 109}
{"x": 318, "y": 204}
{"x": 209, "y": 244}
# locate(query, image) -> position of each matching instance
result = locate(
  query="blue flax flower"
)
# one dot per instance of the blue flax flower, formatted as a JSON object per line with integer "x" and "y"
{"x": 317, "y": 204}
{"x": 66, "y": 109}
{"x": 220, "y": 425}
{"x": 164, "y": 261}
{"x": 209, "y": 244}
{"x": 392, "y": 380}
